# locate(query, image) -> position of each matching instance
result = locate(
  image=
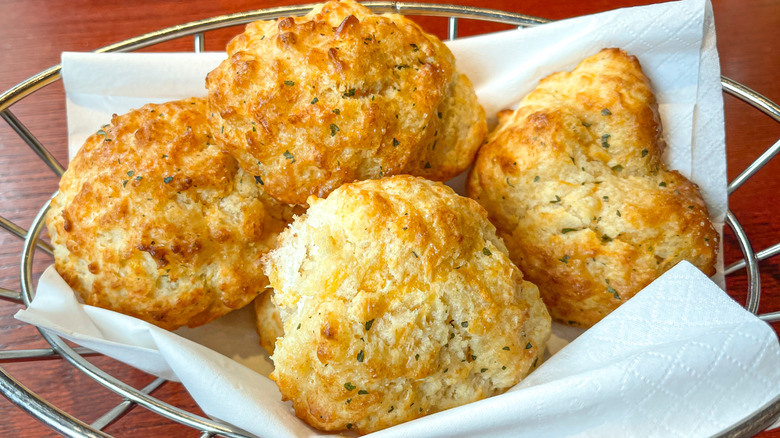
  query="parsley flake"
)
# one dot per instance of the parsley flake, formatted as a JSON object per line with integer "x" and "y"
{"x": 167, "y": 179}
{"x": 259, "y": 180}
{"x": 464, "y": 324}
{"x": 427, "y": 165}
{"x": 617, "y": 168}
{"x": 528, "y": 346}
{"x": 662, "y": 184}
{"x": 362, "y": 392}
{"x": 557, "y": 200}
{"x": 644, "y": 153}
{"x": 333, "y": 129}
{"x": 350, "y": 386}
{"x": 349, "y": 93}
{"x": 289, "y": 83}
{"x": 289, "y": 156}
{"x": 483, "y": 370}
{"x": 360, "y": 356}
{"x": 604, "y": 142}
{"x": 568, "y": 230}
{"x": 395, "y": 142}
{"x": 486, "y": 251}
{"x": 617, "y": 212}
{"x": 369, "y": 324}
{"x": 506, "y": 348}
{"x": 606, "y": 112}
{"x": 315, "y": 100}
{"x": 101, "y": 132}
{"x": 564, "y": 259}
{"x": 536, "y": 178}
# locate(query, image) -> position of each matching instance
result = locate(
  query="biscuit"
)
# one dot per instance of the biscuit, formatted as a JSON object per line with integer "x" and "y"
{"x": 268, "y": 323}
{"x": 398, "y": 301}
{"x": 574, "y": 182}
{"x": 339, "y": 95}
{"x": 156, "y": 221}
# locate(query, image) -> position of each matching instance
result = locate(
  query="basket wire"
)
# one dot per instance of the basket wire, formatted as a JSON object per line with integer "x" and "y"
{"x": 68, "y": 425}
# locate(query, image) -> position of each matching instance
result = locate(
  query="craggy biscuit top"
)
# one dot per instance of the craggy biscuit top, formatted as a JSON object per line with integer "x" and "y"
{"x": 398, "y": 300}
{"x": 309, "y": 103}
{"x": 154, "y": 220}
{"x": 573, "y": 180}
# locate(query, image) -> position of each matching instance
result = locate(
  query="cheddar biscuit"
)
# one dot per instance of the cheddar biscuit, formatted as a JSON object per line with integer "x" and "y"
{"x": 574, "y": 182}
{"x": 398, "y": 300}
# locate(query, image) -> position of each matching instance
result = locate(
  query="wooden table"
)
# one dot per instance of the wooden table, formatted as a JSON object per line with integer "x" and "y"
{"x": 35, "y": 32}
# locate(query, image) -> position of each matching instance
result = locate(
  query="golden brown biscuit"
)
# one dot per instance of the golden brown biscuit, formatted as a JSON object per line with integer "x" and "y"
{"x": 155, "y": 221}
{"x": 574, "y": 182}
{"x": 268, "y": 322}
{"x": 398, "y": 300}
{"x": 309, "y": 103}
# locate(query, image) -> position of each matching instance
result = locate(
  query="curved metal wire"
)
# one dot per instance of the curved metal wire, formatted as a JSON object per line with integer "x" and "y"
{"x": 70, "y": 426}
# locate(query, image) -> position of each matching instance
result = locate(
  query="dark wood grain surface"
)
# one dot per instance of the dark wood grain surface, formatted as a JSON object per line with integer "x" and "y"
{"x": 33, "y": 34}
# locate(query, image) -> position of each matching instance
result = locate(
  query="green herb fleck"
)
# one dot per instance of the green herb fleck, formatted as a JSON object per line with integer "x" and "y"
{"x": 349, "y": 93}
{"x": 362, "y": 392}
{"x": 124, "y": 183}
{"x": 360, "y": 356}
{"x": 536, "y": 178}
{"x": 416, "y": 357}
{"x": 415, "y": 255}
{"x": 427, "y": 165}
{"x": 604, "y": 142}
{"x": 690, "y": 207}
{"x": 662, "y": 184}
{"x": 568, "y": 230}
{"x": 506, "y": 348}
{"x": 464, "y": 324}
{"x": 401, "y": 66}
{"x": 315, "y": 100}
{"x": 167, "y": 179}
{"x": 349, "y": 425}
{"x": 395, "y": 142}
{"x": 586, "y": 124}
{"x": 508, "y": 183}
{"x": 350, "y": 386}
{"x": 333, "y": 129}
{"x": 445, "y": 370}
{"x": 617, "y": 168}
{"x": 414, "y": 46}
{"x": 483, "y": 370}
{"x": 564, "y": 259}
{"x": 164, "y": 156}
{"x": 606, "y": 112}
{"x": 336, "y": 111}
{"x": 101, "y": 132}
{"x": 259, "y": 180}
{"x": 289, "y": 83}
{"x": 486, "y": 251}
{"x": 503, "y": 367}
{"x": 299, "y": 326}
{"x": 289, "y": 156}
{"x": 139, "y": 178}
{"x": 369, "y": 324}
{"x": 391, "y": 409}
{"x": 644, "y": 153}
{"x": 617, "y": 212}
{"x": 528, "y": 346}
{"x": 605, "y": 238}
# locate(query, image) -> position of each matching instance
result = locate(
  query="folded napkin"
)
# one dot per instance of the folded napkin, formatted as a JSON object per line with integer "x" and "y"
{"x": 679, "y": 359}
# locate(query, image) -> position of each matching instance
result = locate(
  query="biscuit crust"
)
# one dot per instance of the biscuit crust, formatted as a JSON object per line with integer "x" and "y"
{"x": 154, "y": 220}
{"x": 339, "y": 95}
{"x": 398, "y": 300}
{"x": 573, "y": 180}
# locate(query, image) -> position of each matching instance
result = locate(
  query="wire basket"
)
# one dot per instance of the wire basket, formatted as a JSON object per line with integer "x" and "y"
{"x": 132, "y": 397}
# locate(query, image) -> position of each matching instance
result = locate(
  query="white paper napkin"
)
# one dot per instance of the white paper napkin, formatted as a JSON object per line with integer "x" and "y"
{"x": 680, "y": 358}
